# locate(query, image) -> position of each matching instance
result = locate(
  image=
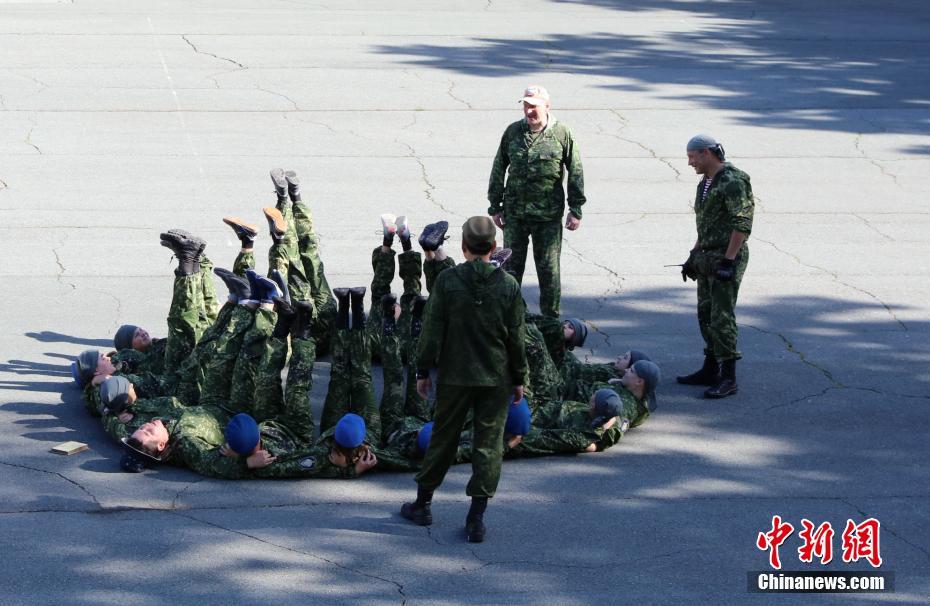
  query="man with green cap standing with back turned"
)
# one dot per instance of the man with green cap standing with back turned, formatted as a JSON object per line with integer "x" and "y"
{"x": 473, "y": 332}
{"x": 724, "y": 209}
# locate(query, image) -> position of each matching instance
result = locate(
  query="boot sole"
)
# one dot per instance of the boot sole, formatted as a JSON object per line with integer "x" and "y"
{"x": 684, "y": 381}
{"x": 275, "y": 220}
{"x": 279, "y": 179}
{"x": 718, "y": 396}
{"x": 239, "y": 225}
{"x": 419, "y": 521}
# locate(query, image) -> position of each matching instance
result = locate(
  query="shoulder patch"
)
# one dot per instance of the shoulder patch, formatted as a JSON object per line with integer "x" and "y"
{"x": 308, "y": 463}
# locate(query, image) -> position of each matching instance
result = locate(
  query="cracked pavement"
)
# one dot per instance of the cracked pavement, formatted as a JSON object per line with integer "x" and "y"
{"x": 121, "y": 120}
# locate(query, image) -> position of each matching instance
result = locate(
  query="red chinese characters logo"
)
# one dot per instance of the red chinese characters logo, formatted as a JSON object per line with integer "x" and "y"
{"x": 773, "y": 539}
{"x": 861, "y": 541}
{"x": 816, "y": 542}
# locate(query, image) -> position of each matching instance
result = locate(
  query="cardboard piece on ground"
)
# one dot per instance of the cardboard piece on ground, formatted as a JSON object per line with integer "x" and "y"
{"x": 70, "y": 448}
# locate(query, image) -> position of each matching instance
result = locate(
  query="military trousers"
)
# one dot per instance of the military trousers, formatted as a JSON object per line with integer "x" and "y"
{"x": 716, "y": 307}
{"x": 488, "y": 406}
{"x": 547, "y": 250}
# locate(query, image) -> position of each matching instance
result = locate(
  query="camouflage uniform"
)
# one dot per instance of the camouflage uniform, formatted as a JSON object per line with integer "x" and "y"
{"x": 728, "y": 207}
{"x": 473, "y": 331}
{"x": 197, "y": 433}
{"x": 324, "y": 303}
{"x": 350, "y": 384}
{"x": 297, "y": 257}
{"x": 533, "y": 200}
{"x": 400, "y": 451}
{"x": 578, "y": 378}
{"x": 545, "y": 384}
{"x": 565, "y": 427}
{"x": 211, "y": 306}
{"x": 397, "y": 404}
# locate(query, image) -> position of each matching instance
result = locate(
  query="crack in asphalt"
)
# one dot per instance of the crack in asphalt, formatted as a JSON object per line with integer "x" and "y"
{"x": 826, "y": 390}
{"x": 281, "y": 95}
{"x": 34, "y": 118}
{"x": 800, "y": 354}
{"x": 429, "y": 188}
{"x": 562, "y": 564}
{"x": 60, "y": 276}
{"x": 838, "y": 280}
{"x": 317, "y": 123}
{"x": 459, "y": 99}
{"x": 858, "y": 145}
{"x": 623, "y": 124}
{"x": 397, "y": 585}
{"x": 177, "y": 496}
{"x": 83, "y": 488}
{"x": 888, "y": 529}
{"x": 200, "y": 52}
{"x": 615, "y": 289}
{"x": 872, "y": 227}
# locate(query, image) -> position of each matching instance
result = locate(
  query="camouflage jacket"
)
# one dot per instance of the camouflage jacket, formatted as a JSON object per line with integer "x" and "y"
{"x": 474, "y": 328}
{"x": 535, "y": 169}
{"x": 728, "y": 207}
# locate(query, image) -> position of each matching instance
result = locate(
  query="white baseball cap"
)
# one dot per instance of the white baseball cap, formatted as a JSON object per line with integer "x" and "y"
{"x": 535, "y": 95}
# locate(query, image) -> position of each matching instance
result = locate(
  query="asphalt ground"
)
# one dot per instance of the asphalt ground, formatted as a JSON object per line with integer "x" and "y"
{"x": 120, "y": 119}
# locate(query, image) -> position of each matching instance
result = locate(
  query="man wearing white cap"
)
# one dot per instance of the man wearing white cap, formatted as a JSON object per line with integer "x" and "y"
{"x": 527, "y": 194}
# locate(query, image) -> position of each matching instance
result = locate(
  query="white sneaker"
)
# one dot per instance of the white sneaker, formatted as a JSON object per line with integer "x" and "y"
{"x": 387, "y": 222}
{"x": 403, "y": 230}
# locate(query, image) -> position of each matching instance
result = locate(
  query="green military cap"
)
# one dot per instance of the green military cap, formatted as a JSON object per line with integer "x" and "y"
{"x": 479, "y": 234}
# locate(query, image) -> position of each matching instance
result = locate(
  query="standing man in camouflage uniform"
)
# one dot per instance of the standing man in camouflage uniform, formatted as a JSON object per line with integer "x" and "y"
{"x": 473, "y": 332}
{"x": 724, "y": 209}
{"x": 534, "y": 154}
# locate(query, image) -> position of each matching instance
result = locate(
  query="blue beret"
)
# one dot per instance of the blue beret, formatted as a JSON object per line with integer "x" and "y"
{"x": 350, "y": 431}
{"x": 518, "y": 419}
{"x": 242, "y": 434}
{"x": 424, "y": 435}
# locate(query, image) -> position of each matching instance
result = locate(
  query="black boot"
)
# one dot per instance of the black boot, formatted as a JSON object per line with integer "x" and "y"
{"x": 433, "y": 235}
{"x": 293, "y": 185}
{"x": 388, "y": 323}
{"x": 186, "y": 247}
{"x": 474, "y": 522}
{"x": 727, "y": 384}
{"x": 342, "y": 317}
{"x": 280, "y": 185}
{"x": 416, "y": 316}
{"x": 419, "y": 511}
{"x": 301, "y": 329}
{"x": 708, "y": 375}
{"x": 286, "y": 316}
{"x": 357, "y": 295}
{"x": 238, "y": 286}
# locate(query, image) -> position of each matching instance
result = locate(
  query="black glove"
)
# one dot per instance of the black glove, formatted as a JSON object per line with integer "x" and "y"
{"x": 726, "y": 269}
{"x": 687, "y": 268}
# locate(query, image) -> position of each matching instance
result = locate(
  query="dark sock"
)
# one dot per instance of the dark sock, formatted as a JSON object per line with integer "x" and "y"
{"x": 405, "y": 243}
{"x": 388, "y": 240}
